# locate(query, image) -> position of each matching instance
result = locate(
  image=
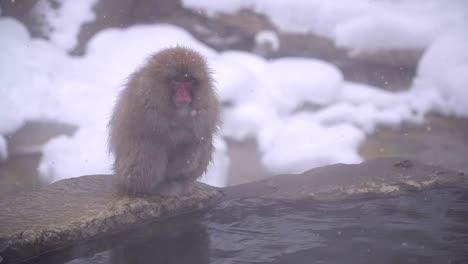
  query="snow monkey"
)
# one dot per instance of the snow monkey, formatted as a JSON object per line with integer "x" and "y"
{"x": 162, "y": 126}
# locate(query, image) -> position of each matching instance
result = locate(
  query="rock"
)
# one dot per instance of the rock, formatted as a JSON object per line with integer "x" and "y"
{"x": 385, "y": 176}
{"x": 72, "y": 210}
{"x": 33, "y": 134}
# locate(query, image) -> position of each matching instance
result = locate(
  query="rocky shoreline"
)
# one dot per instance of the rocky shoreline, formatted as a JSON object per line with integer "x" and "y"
{"x": 75, "y": 210}
{"x": 88, "y": 207}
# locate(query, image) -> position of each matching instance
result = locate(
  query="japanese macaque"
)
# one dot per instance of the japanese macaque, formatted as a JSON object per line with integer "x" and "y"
{"x": 162, "y": 127}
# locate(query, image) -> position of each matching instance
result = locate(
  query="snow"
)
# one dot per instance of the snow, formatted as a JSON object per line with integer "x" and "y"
{"x": 250, "y": 61}
{"x": 30, "y": 70}
{"x": 444, "y": 69}
{"x": 232, "y": 80}
{"x": 39, "y": 81}
{"x": 245, "y": 120}
{"x": 62, "y": 24}
{"x": 366, "y": 106}
{"x": 299, "y": 144}
{"x": 83, "y": 154}
{"x": 293, "y": 82}
{"x": 130, "y": 47}
{"x": 363, "y": 26}
{"x": 267, "y": 38}
{"x": 301, "y": 112}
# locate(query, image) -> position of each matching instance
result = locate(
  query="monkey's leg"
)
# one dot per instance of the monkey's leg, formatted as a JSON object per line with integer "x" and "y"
{"x": 202, "y": 155}
{"x": 184, "y": 160}
{"x": 141, "y": 169}
{"x": 187, "y": 164}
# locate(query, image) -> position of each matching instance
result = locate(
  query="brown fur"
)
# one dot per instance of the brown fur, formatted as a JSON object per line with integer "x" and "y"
{"x": 158, "y": 148}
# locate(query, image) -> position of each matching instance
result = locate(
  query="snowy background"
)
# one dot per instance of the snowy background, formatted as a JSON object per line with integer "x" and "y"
{"x": 39, "y": 80}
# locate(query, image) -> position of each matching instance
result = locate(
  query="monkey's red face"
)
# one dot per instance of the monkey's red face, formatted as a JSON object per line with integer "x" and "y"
{"x": 182, "y": 91}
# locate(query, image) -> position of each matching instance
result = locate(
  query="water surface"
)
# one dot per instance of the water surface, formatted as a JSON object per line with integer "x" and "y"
{"x": 421, "y": 227}
{"x": 428, "y": 226}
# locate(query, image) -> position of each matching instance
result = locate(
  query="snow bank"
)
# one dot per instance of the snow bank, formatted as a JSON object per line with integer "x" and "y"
{"x": 364, "y": 25}
{"x": 83, "y": 154}
{"x": 245, "y": 120}
{"x": 292, "y": 138}
{"x": 233, "y": 81}
{"x": 115, "y": 53}
{"x": 443, "y": 69}
{"x": 295, "y": 82}
{"x": 63, "y": 20}
{"x": 298, "y": 144}
{"x": 300, "y": 111}
{"x": 40, "y": 81}
{"x": 29, "y": 71}
{"x": 250, "y": 61}
{"x": 366, "y": 106}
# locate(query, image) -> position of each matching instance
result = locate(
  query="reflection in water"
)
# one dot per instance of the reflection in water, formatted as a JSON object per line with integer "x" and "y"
{"x": 188, "y": 247}
{"x": 422, "y": 227}
{"x": 182, "y": 240}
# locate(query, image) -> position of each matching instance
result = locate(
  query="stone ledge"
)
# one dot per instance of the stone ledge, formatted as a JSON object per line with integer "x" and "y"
{"x": 378, "y": 177}
{"x": 83, "y": 208}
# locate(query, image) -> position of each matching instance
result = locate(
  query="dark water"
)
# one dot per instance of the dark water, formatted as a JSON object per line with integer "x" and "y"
{"x": 421, "y": 227}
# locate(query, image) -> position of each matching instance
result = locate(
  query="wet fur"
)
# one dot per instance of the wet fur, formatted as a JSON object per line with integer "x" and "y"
{"x": 157, "y": 147}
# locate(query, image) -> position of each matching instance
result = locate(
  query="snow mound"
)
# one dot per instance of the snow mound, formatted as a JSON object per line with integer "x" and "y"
{"x": 298, "y": 144}
{"x": 29, "y": 71}
{"x": 83, "y": 154}
{"x": 39, "y": 81}
{"x": 444, "y": 69}
{"x": 300, "y": 111}
{"x": 294, "y": 82}
{"x": 363, "y": 26}
{"x": 63, "y": 20}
